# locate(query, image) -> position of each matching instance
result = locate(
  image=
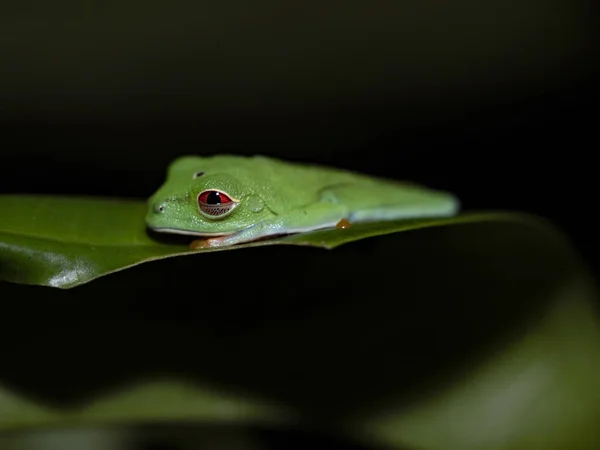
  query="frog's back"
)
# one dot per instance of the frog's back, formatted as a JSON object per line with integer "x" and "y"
{"x": 267, "y": 175}
{"x": 292, "y": 185}
{"x": 300, "y": 175}
{"x": 286, "y": 185}
{"x": 259, "y": 171}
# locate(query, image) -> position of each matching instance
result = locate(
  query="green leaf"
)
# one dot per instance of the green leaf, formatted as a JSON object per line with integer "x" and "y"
{"x": 144, "y": 401}
{"x": 64, "y": 242}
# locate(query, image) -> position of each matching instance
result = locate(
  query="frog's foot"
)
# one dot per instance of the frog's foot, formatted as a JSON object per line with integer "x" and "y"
{"x": 343, "y": 224}
{"x": 198, "y": 244}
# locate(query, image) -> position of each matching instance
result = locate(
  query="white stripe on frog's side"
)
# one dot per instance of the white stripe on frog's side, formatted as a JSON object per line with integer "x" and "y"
{"x": 189, "y": 232}
{"x": 400, "y": 213}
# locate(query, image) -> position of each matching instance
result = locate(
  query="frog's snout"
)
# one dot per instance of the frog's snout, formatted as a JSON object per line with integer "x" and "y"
{"x": 157, "y": 213}
{"x": 163, "y": 209}
{"x": 162, "y": 205}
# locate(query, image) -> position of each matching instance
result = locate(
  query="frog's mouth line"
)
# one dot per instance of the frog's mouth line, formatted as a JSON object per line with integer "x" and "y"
{"x": 190, "y": 233}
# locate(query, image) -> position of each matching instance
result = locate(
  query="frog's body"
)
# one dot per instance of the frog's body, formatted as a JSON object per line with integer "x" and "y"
{"x": 242, "y": 199}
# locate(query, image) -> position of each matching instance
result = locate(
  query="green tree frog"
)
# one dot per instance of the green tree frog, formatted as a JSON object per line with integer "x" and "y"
{"x": 227, "y": 199}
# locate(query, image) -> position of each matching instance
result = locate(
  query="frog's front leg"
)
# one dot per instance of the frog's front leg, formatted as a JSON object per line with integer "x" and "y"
{"x": 315, "y": 217}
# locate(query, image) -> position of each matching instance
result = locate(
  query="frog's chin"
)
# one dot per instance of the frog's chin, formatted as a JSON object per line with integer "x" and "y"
{"x": 190, "y": 232}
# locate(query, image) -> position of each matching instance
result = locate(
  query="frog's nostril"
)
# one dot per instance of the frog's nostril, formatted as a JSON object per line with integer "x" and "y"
{"x": 159, "y": 207}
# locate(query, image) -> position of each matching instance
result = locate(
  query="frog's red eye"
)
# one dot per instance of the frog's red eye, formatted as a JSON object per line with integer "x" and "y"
{"x": 215, "y": 203}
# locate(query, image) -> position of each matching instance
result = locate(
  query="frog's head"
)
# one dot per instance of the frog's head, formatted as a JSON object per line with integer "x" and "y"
{"x": 203, "y": 204}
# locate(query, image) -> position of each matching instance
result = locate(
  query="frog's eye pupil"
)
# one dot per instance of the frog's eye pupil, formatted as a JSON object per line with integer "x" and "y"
{"x": 213, "y": 198}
